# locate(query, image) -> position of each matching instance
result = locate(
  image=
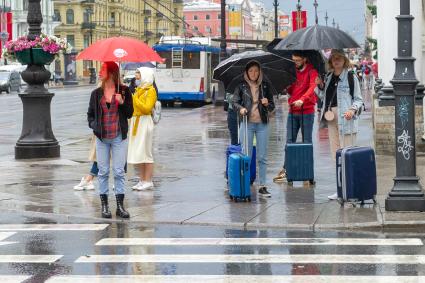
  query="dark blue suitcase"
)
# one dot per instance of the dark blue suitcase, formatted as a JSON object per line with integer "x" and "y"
{"x": 239, "y": 177}
{"x": 299, "y": 162}
{"x": 299, "y": 159}
{"x": 356, "y": 174}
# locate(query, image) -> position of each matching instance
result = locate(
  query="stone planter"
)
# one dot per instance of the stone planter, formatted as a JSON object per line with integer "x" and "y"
{"x": 34, "y": 56}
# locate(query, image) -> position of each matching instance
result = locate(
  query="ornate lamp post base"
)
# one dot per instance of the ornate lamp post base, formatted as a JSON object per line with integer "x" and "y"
{"x": 406, "y": 195}
{"x": 37, "y": 139}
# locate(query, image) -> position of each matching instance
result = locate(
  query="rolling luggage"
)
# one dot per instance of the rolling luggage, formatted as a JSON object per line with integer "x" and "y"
{"x": 299, "y": 160}
{"x": 356, "y": 174}
{"x": 239, "y": 172}
{"x": 238, "y": 149}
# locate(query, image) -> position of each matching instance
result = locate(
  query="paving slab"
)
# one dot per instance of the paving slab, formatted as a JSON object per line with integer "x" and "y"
{"x": 336, "y": 216}
{"x": 301, "y": 215}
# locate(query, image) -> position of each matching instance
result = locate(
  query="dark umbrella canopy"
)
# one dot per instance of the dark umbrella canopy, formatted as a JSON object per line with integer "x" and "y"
{"x": 277, "y": 70}
{"x": 317, "y": 38}
{"x": 315, "y": 57}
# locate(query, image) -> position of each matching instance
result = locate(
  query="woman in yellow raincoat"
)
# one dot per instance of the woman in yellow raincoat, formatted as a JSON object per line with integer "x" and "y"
{"x": 140, "y": 146}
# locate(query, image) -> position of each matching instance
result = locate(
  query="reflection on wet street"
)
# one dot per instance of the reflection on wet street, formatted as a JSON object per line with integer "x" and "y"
{"x": 125, "y": 252}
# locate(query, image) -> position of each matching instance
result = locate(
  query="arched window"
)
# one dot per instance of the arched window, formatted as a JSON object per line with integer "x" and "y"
{"x": 207, "y": 17}
{"x": 195, "y": 18}
{"x": 70, "y": 17}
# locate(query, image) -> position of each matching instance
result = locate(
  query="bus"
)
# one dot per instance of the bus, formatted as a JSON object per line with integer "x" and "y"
{"x": 186, "y": 74}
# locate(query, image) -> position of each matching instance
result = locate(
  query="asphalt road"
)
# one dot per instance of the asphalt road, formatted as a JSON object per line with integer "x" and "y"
{"x": 38, "y": 250}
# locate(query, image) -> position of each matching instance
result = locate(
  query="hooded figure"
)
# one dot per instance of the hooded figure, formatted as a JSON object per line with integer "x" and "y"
{"x": 141, "y": 129}
{"x": 252, "y": 98}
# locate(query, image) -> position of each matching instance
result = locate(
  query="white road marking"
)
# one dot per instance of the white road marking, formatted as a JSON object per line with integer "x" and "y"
{"x": 235, "y": 279}
{"x": 29, "y": 258}
{"x": 249, "y": 258}
{"x": 257, "y": 242}
{"x": 5, "y": 235}
{"x": 13, "y": 278}
{"x": 53, "y": 227}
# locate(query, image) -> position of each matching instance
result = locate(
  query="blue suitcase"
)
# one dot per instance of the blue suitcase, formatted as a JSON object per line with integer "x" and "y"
{"x": 230, "y": 150}
{"x": 356, "y": 174}
{"x": 299, "y": 160}
{"x": 239, "y": 172}
{"x": 239, "y": 177}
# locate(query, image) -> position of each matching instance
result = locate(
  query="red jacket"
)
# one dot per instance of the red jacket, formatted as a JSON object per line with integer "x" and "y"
{"x": 303, "y": 89}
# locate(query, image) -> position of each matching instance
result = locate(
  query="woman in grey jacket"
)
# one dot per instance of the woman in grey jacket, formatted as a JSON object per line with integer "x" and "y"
{"x": 341, "y": 106}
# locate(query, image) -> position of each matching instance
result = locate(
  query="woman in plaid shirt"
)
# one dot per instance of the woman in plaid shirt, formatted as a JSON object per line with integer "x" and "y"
{"x": 110, "y": 106}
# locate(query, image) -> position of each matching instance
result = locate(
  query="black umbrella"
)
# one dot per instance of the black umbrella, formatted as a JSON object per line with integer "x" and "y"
{"x": 315, "y": 57}
{"x": 279, "y": 71}
{"x": 317, "y": 37}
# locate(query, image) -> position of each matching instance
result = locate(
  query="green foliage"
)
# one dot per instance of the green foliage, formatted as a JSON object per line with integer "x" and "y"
{"x": 373, "y": 10}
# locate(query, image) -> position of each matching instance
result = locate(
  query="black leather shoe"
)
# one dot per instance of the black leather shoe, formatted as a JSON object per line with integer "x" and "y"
{"x": 106, "y": 213}
{"x": 121, "y": 212}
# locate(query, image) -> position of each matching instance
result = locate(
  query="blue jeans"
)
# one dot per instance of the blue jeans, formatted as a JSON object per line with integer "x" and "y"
{"x": 261, "y": 132}
{"x": 95, "y": 170}
{"x": 293, "y": 126}
{"x": 117, "y": 148}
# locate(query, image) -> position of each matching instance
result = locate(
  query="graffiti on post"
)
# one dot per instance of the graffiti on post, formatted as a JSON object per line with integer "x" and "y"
{"x": 405, "y": 144}
{"x": 403, "y": 111}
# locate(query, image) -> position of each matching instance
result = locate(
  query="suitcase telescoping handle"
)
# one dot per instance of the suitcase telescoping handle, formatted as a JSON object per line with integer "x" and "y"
{"x": 351, "y": 130}
{"x": 302, "y": 123}
{"x": 245, "y": 124}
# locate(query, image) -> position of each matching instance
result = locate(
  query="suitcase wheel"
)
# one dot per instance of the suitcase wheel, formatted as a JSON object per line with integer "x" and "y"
{"x": 235, "y": 199}
{"x": 312, "y": 182}
{"x": 231, "y": 197}
{"x": 251, "y": 182}
{"x": 249, "y": 199}
{"x": 290, "y": 183}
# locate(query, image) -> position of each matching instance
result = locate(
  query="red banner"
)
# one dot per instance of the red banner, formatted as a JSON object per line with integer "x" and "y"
{"x": 9, "y": 25}
{"x": 299, "y": 20}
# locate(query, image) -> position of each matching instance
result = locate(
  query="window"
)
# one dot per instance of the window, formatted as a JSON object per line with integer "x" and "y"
{"x": 219, "y": 16}
{"x": 69, "y": 17}
{"x": 112, "y": 20}
{"x": 70, "y": 38}
{"x": 195, "y": 28}
{"x": 25, "y": 5}
{"x": 208, "y": 29}
{"x": 56, "y": 15}
{"x": 195, "y": 17}
{"x": 86, "y": 40}
{"x": 207, "y": 17}
{"x": 86, "y": 15}
{"x": 167, "y": 56}
{"x": 191, "y": 60}
{"x": 215, "y": 59}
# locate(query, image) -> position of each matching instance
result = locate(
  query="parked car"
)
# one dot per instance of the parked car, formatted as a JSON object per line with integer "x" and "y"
{"x": 10, "y": 81}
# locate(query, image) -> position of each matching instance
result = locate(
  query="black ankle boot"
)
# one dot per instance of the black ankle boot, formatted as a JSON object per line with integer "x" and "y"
{"x": 121, "y": 212}
{"x": 105, "y": 208}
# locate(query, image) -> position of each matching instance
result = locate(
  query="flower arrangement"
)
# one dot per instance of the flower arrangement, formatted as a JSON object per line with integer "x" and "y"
{"x": 48, "y": 43}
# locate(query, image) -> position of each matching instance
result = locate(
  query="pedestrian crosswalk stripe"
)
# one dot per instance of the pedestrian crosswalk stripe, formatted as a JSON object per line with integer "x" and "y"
{"x": 234, "y": 279}
{"x": 5, "y": 235}
{"x": 53, "y": 227}
{"x": 29, "y": 258}
{"x": 13, "y": 278}
{"x": 257, "y": 242}
{"x": 256, "y": 258}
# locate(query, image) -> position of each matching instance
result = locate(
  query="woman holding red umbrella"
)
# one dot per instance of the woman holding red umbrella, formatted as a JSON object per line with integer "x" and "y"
{"x": 110, "y": 106}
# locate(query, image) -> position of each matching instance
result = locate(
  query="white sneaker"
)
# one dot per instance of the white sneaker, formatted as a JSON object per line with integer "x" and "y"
{"x": 138, "y": 185}
{"x": 146, "y": 186}
{"x": 82, "y": 185}
{"x": 90, "y": 186}
{"x": 333, "y": 197}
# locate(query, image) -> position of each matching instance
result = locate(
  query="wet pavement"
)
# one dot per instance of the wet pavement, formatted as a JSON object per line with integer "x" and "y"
{"x": 189, "y": 174}
{"x": 40, "y": 250}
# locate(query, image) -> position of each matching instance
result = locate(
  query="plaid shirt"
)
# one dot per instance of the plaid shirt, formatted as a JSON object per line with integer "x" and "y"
{"x": 110, "y": 118}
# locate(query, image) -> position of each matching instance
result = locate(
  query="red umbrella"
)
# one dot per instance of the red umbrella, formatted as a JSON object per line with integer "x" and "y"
{"x": 119, "y": 49}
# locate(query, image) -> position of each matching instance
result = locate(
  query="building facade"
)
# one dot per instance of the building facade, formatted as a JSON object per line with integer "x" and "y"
{"x": 86, "y": 21}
